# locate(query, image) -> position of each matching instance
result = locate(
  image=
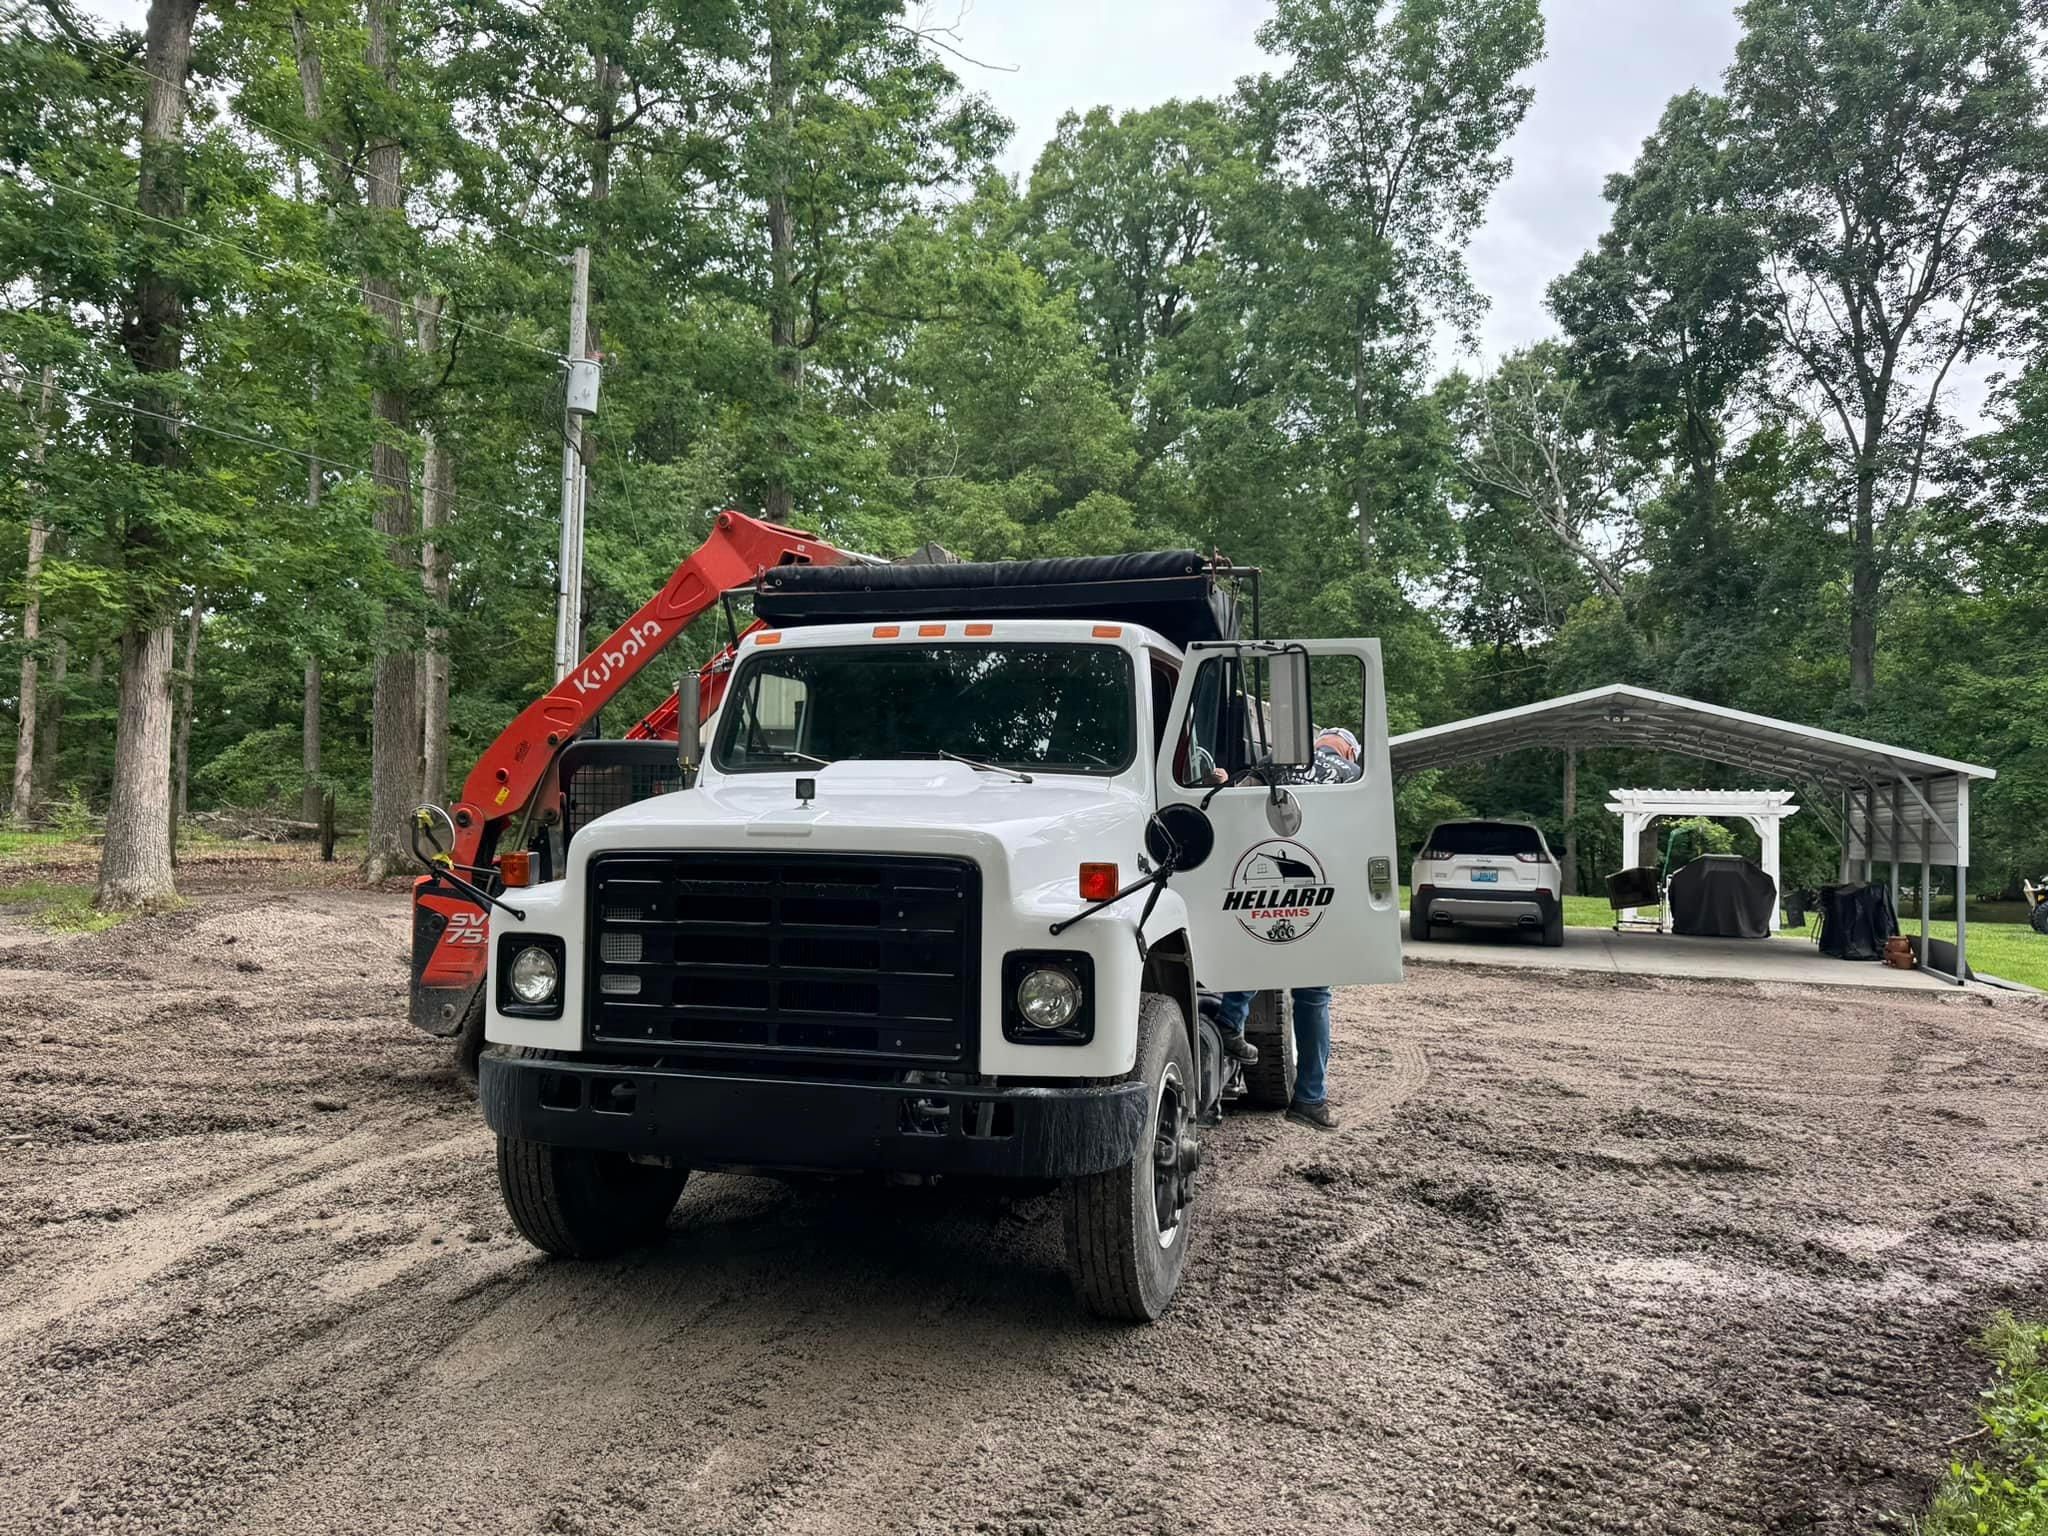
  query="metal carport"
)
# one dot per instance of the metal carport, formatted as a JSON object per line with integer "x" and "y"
{"x": 1890, "y": 804}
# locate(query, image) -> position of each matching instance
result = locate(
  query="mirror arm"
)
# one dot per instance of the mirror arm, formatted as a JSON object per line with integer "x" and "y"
{"x": 1156, "y": 880}
{"x": 441, "y": 867}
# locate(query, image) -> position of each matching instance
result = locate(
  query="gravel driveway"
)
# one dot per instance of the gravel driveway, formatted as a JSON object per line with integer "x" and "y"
{"x": 1586, "y": 1256}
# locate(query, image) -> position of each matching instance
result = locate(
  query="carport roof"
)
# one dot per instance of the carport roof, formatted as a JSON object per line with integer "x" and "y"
{"x": 1621, "y": 716}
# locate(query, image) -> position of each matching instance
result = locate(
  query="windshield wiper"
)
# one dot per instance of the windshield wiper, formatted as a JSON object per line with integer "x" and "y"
{"x": 803, "y": 757}
{"x": 1016, "y": 774}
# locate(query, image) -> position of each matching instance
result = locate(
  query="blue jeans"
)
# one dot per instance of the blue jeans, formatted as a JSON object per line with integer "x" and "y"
{"x": 1311, "y": 1036}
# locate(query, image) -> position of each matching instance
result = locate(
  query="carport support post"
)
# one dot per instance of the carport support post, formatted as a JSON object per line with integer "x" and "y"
{"x": 1962, "y": 878}
{"x": 1894, "y": 863}
{"x": 1926, "y": 885}
{"x": 1869, "y": 833}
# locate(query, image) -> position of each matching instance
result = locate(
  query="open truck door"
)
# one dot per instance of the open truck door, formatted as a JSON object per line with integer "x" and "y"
{"x": 1300, "y": 889}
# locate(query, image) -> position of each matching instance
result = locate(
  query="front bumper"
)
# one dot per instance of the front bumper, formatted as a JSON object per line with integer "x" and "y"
{"x": 706, "y": 1120}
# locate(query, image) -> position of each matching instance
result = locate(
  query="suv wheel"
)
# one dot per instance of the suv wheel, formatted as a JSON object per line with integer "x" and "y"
{"x": 1269, "y": 1081}
{"x": 1128, "y": 1230}
{"x": 1418, "y": 921}
{"x": 1553, "y": 930}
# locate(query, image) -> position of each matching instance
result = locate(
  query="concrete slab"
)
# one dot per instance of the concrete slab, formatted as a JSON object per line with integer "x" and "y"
{"x": 1666, "y": 954}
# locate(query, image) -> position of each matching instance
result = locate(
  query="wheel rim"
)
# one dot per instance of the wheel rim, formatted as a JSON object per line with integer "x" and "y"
{"x": 1176, "y": 1154}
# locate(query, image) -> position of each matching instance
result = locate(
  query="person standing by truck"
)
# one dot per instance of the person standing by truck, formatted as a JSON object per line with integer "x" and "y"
{"x": 1336, "y": 763}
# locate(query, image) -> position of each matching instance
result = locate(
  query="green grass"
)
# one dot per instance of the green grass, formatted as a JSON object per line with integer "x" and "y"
{"x": 25, "y": 847}
{"x": 2005, "y": 948}
{"x": 2003, "y": 1490}
{"x": 2010, "y": 951}
{"x": 62, "y": 906}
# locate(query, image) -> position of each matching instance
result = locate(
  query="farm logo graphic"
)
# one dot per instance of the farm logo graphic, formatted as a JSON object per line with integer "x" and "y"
{"x": 1278, "y": 892}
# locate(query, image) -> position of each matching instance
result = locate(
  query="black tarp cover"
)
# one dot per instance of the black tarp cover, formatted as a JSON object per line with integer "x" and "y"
{"x": 1171, "y": 591}
{"x": 1722, "y": 895}
{"x": 1855, "y": 920}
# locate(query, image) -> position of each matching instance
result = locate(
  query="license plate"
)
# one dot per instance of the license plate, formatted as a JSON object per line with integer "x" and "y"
{"x": 1485, "y": 877}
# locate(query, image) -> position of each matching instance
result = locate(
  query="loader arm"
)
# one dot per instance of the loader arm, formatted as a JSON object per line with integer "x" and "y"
{"x": 448, "y": 955}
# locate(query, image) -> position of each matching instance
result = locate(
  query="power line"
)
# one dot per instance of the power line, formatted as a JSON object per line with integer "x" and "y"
{"x": 286, "y": 268}
{"x": 304, "y": 456}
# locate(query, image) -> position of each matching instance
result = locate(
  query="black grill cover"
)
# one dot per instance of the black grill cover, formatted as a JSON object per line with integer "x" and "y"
{"x": 1171, "y": 591}
{"x": 1855, "y": 920}
{"x": 1722, "y": 895}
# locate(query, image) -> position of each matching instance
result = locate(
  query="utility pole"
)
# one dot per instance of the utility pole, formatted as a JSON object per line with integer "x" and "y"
{"x": 581, "y": 402}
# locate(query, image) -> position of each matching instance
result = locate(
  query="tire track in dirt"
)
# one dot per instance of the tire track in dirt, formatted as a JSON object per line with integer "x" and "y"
{"x": 1582, "y": 1257}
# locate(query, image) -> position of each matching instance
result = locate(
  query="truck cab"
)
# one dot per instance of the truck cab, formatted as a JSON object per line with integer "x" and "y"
{"x": 965, "y": 850}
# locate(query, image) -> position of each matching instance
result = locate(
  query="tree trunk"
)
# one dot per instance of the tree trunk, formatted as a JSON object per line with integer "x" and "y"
{"x": 778, "y": 500}
{"x": 1571, "y": 828}
{"x": 434, "y": 509}
{"x": 309, "y": 751}
{"x": 1863, "y": 589}
{"x": 1361, "y": 414}
{"x": 394, "y": 708}
{"x": 21, "y": 805}
{"x": 135, "y": 860}
{"x": 437, "y": 486}
{"x": 181, "y": 801}
{"x": 49, "y": 737}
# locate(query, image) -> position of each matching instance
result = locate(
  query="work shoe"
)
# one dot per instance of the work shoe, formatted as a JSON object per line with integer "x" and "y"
{"x": 1315, "y": 1116}
{"x": 1237, "y": 1048}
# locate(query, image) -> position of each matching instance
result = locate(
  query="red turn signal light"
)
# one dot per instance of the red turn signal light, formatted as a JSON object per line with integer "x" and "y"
{"x": 516, "y": 869}
{"x": 1099, "y": 882}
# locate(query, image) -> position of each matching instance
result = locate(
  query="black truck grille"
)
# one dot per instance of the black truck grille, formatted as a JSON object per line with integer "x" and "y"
{"x": 785, "y": 955}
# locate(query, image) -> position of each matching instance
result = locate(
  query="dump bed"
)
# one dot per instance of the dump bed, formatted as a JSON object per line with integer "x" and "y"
{"x": 1181, "y": 595}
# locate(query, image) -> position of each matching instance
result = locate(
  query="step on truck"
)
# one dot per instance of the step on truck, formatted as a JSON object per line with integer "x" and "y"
{"x": 965, "y": 850}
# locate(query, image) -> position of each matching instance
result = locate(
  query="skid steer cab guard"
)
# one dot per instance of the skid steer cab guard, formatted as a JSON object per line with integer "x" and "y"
{"x": 962, "y": 856}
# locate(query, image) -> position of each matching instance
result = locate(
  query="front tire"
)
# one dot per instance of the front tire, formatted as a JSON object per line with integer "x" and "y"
{"x": 1128, "y": 1230}
{"x": 576, "y": 1203}
{"x": 469, "y": 1042}
{"x": 2038, "y": 918}
{"x": 1269, "y": 1081}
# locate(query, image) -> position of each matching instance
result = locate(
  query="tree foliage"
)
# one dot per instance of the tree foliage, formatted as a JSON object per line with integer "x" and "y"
{"x": 1737, "y": 471}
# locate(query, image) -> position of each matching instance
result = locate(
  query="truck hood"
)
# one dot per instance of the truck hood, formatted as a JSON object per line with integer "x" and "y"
{"x": 1041, "y": 830}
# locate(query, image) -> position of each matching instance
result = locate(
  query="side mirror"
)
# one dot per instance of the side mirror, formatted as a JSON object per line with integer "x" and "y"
{"x": 1294, "y": 739}
{"x": 1182, "y": 833}
{"x": 433, "y": 835}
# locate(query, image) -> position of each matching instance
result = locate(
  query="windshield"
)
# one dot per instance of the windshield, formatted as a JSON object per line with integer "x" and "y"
{"x": 1056, "y": 708}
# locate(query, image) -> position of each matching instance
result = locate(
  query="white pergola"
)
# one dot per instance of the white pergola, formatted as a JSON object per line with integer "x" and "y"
{"x": 1896, "y": 807}
{"x": 1763, "y": 809}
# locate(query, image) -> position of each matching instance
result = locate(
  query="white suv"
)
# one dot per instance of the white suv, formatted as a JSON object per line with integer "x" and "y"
{"x": 1486, "y": 874}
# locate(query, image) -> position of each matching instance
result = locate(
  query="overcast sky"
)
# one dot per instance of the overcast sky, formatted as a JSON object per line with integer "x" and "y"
{"x": 1610, "y": 67}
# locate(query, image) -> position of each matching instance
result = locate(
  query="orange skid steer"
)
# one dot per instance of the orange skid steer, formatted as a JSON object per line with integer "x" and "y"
{"x": 522, "y": 787}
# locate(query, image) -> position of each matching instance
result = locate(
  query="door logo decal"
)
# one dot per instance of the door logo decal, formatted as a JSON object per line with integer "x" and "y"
{"x": 1278, "y": 892}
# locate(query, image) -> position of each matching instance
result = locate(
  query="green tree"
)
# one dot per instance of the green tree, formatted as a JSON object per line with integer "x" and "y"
{"x": 1668, "y": 325}
{"x": 852, "y": 118}
{"x": 1123, "y": 213}
{"x": 1387, "y": 134}
{"x": 1893, "y": 154}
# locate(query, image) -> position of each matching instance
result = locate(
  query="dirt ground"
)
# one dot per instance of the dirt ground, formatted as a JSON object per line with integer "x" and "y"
{"x": 1585, "y": 1257}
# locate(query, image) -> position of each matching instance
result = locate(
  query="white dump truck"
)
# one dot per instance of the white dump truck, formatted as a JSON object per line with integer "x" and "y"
{"x": 966, "y": 848}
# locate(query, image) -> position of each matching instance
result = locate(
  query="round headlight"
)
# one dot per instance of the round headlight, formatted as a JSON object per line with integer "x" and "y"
{"x": 1048, "y": 999}
{"x": 534, "y": 975}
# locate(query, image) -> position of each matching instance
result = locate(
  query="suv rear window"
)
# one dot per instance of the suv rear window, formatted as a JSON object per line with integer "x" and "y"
{"x": 1485, "y": 837}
